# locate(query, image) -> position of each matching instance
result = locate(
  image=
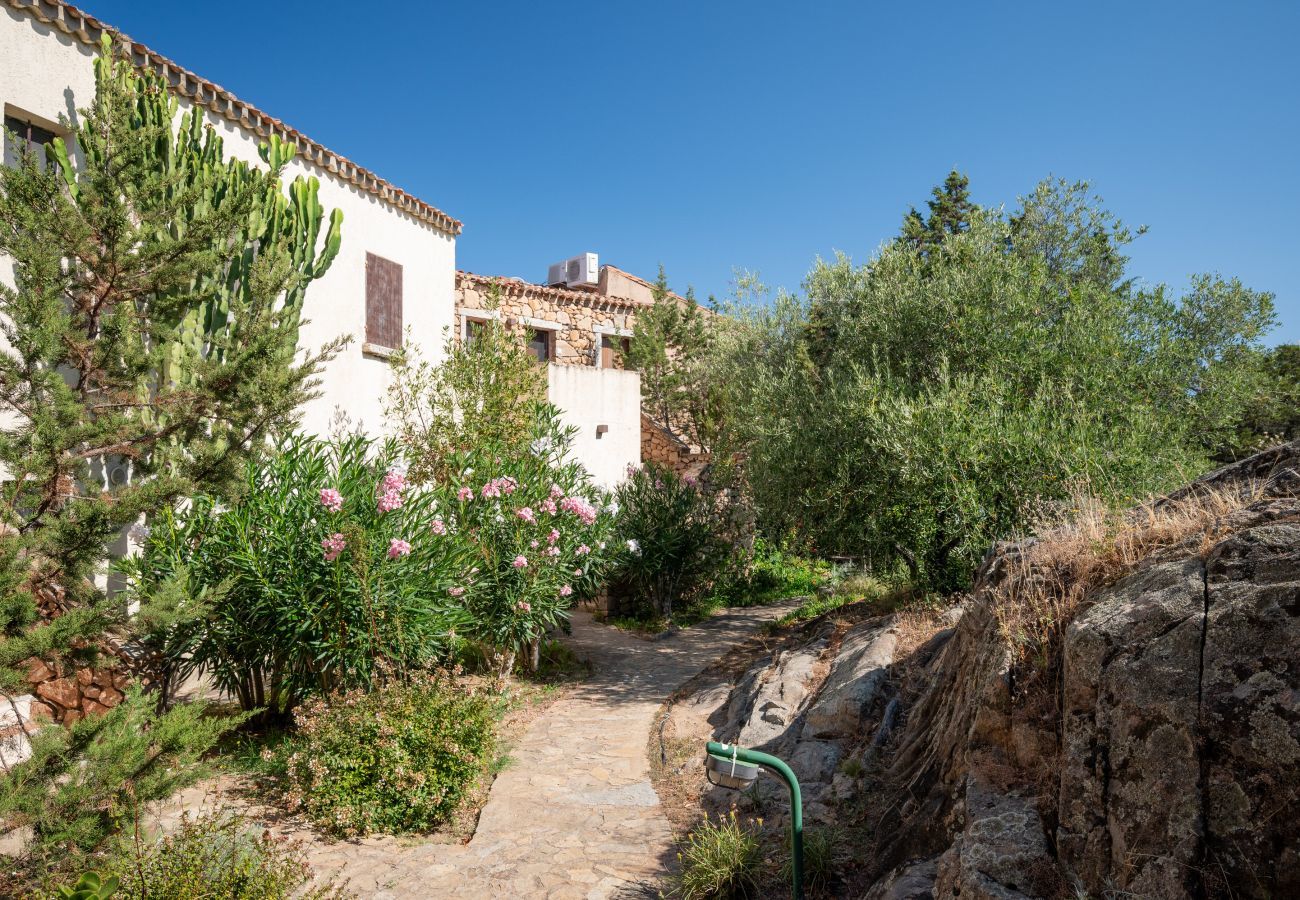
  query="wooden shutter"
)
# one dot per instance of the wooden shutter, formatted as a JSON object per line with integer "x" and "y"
{"x": 606, "y": 352}
{"x": 383, "y": 302}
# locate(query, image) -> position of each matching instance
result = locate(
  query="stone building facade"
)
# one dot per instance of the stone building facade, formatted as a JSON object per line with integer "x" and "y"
{"x": 591, "y": 328}
{"x": 580, "y": 328}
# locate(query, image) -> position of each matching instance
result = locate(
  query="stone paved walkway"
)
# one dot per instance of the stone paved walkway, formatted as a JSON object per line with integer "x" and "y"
{"x": 575, "y": 815}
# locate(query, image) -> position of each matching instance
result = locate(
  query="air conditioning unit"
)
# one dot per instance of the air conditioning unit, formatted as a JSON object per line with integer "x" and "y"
{"x": 582, "y": 271}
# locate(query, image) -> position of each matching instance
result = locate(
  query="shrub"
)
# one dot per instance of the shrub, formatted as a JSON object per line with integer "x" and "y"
{"x": 820, "y": 859}
{"x": 479, "y": 429}
{"x": 770, "y": 573}
{"x": 216, "y": 856}
{"x": 539, "y": 531}
{"x": 670, "y": 549}
{"x": 83, "y": 784}
{"x": 328, "y": 566}
{"x": 719, "y": 861}
{"x": 400, "y": 758}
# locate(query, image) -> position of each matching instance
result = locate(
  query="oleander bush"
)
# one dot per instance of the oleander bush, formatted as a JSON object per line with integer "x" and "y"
{"x": 328, "y": 571}
{"x": 539, "y": 531}
{"x": 671, "y": 546}
{"x": 396, "y": 759}
{"x": 478, "y": 429}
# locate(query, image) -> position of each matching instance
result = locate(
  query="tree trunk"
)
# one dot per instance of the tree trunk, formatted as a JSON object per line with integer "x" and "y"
{"x": 535, "y": 654}
{"x": 505, "y": 663}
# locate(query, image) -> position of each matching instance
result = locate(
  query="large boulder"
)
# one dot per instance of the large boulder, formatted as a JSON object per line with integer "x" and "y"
{"x": 778, "y": 693}
{"x": 860, "y": 671}
{"x": 1129, "y": 796}
{"x": 1162, "y": 745}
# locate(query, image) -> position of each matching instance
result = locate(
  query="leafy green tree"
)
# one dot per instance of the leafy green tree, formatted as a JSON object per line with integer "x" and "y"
{"x": 950, "y": 213}
{"x": 670, "y": 348}
{"x": 485, "y": 391}
{"x": 970, "y": 380}
{"x": 150, "y": 348}
{"x": 1273, "y": 414}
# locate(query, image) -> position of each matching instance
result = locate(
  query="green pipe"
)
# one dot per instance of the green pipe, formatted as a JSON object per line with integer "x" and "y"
{"x": 728, "y": 752}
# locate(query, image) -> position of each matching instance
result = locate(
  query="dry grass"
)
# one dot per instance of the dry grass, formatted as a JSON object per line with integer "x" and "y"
{"x": 1091, "y": 546}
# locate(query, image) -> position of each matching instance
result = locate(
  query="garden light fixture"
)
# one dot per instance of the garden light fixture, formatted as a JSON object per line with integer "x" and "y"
{"x": 731, "y": 766}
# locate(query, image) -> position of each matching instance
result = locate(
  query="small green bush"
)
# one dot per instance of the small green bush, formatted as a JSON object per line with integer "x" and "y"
{"x": 401, "y": 758}
{"x": 820, "y": 859}
{"x": 671, "y": 548}
{"x": 86, "y": 783}
{"x": 216, "y": 857}
{"x": 720, "y": 861}
{"x": 770, "y": 573}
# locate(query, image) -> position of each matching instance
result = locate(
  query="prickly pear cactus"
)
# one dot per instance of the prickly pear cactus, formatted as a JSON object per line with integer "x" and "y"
{"x": 281, "y": 237}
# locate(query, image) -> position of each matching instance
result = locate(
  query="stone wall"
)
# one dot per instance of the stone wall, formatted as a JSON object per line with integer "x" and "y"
{"x": 577, "y": 319}
{"x": 660, "y": 446}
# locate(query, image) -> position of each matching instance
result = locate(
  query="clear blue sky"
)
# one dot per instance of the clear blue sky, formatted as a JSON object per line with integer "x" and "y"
{"x": 715, "y": 135}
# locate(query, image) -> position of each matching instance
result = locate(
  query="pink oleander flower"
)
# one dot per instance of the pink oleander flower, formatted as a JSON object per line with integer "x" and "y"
{"x": 553, "y": 551}
{"x": 389, "y": 501}
{"x": 659, "y": 485}
{"x": 556, "y": 492}
{"x": 456, "y": 591}
{"x": 580, "y": 508}
{"x": 577, "y": 572}
{"x": 523, "y": 606}
{"x": 439, "y": 526}
{"x": 690, "y": 480}
{"x": 566, "y": 591}
{"x": 508, "y": 485}
{"x": 393, "y": 481}
{"x": 548, "y": 505}
{"x": 333, "y": 546}
{"x": 521, "y": 562}
{"x": 398, "y": 547}
{"x": 553, "y": 537}
{"x": 632, "y": 469}
{"x": 491, "y": 489}
{"x": 331, "y": 499}
{"x": 533, "y": 545}
{"x": 526, "y": 513}
{"x": 465, "y": 494}
{"x": 583, "y": 550}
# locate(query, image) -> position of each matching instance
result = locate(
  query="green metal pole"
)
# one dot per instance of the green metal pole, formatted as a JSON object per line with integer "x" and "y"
{"x": 768, "y": 761}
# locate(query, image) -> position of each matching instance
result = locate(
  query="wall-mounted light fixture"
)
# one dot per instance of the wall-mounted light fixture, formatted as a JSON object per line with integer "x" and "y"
{"x": 601, "y": 430}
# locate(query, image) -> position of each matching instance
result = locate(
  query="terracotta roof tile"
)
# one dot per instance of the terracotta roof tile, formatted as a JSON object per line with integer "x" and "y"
{"x": 513, "y": 287}
{"x": 85, "y": 28}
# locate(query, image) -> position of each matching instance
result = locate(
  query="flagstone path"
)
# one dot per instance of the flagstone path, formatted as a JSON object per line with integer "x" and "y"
{"x": 574, "y": 817}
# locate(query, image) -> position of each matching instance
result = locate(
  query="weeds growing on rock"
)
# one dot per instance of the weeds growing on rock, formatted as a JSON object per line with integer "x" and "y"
{"x": 821, "y": 858}
{"x": 720, "y": 861}
{"x": 1086, "y": 546}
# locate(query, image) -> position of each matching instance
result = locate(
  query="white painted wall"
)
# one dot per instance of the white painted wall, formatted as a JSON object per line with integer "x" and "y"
{"x": 48, "y": 75}
{"x": 589, "y": 397}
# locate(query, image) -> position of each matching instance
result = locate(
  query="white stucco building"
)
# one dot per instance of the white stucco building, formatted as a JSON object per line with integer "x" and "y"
{"x": 390, "y": 238}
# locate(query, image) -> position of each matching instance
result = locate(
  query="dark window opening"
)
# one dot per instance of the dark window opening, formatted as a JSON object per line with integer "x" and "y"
{"x": 613, "y": 349}
{"x": 473, "y": 329}
{"x": 21, "y": 135}
{"x": 540, "y": 344}
{"x": 383, "y": 302}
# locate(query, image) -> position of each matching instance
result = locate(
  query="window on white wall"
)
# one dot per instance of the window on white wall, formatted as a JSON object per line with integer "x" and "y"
{"x": 383, "y": 302}
{"x": 24, "y": 133}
